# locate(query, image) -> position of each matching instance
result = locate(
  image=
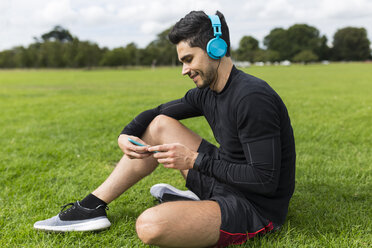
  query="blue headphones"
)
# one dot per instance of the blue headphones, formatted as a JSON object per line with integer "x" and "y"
{"x": 216, "y": 47}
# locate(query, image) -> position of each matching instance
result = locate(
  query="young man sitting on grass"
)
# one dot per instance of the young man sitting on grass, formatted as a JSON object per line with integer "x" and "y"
{"x": 237, "y": 190}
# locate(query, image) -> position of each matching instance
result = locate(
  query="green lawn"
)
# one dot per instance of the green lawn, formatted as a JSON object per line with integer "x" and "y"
{"x": 59, "y": 129}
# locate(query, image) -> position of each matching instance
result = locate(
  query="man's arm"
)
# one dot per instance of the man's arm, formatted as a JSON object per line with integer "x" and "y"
{"x": 259, "y": 175}
{"x": 186, "y": 107}
{"x": 183, "y": 108}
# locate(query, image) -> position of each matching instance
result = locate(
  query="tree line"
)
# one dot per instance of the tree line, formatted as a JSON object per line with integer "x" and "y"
{"x": 299, "y": 43}
{"x": 303, "y": 43}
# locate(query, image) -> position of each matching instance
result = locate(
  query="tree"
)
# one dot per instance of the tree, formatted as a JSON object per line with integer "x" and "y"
{"x": 7, "y": 59}
{"x": 351, "y": 43}
{"x": 133, "y": 54}
{"x": 21, "y": 57}
{"x": 70, "y": 51}
{"x": 305, "y": 56}
{"x": 57, "y": 49}
{"x": 323, "y": 51}
{"x": 277, "y": 40}
{"x": 115, "y": 57}
{"x": 303, "y": 37}
{"x": 51, "y": 52}
{"x": 89, "y": 54}
{"x": 58, "y": 34}
{"x": 248, "y": 46}
{"x": 266, "y": 56}
{"x": 160, "y": 50}
{"x": 297, "y": 38}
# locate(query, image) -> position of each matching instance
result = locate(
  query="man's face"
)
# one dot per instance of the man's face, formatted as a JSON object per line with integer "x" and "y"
{"x": 197, "y": 65}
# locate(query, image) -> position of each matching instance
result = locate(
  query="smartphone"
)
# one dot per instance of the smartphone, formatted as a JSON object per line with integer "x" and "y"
{"x": 137, "y": 143}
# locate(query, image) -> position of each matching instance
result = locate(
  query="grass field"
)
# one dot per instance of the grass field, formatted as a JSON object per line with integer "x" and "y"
{"x": 59, "y": 129}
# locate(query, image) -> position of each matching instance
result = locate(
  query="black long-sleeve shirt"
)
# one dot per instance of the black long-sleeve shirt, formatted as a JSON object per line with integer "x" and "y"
{"x": 250, "y": 122}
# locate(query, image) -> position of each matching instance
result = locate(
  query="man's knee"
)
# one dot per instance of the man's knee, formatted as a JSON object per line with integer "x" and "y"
{"x": 160, "y": 124}
{"x": 149, "y": 227}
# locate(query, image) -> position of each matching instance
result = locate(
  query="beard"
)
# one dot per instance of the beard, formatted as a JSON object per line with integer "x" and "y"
{"x": 209, "y": 77}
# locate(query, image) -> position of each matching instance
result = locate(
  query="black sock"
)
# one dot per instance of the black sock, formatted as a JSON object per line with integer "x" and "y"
{"x": 91, "y": 201}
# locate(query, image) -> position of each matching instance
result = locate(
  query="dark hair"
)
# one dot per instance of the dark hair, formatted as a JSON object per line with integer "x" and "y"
{"x": 196, "y": 29}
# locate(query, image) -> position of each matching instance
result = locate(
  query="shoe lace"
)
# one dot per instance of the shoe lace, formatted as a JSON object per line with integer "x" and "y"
{"x": 64, "y": 206}
{"x": 104, "y": 206}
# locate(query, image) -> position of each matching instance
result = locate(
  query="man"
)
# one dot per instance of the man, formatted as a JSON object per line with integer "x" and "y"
{"x": 244, "y": 186}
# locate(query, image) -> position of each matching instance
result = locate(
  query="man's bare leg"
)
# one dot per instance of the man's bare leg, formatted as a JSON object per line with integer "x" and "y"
{"x": 126, "y": 173}
{"x": 178, "y": 224}
{"x": 162, "y": 130}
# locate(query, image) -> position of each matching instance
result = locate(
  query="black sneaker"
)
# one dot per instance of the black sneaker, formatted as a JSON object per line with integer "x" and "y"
{"x": 76, "y": 218}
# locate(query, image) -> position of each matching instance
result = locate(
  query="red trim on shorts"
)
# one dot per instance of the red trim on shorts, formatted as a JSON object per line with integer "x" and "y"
{"x": 264, "y": 230}
{"x": 227, "y": 238}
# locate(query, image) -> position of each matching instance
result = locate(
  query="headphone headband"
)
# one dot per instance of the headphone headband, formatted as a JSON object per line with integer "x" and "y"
{"x": 216, "y": 24}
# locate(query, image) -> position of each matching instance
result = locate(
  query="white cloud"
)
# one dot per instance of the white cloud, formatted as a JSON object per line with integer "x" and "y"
{"x": 96, "y": 15}
{"x": 115, "y": 23}
{"x": 155, "y": 16}
{"x": 59, "y": 11}
{"x": 345, "y": 10}
{"x": 277, "y": 9}
{"x": 149, "y": 27}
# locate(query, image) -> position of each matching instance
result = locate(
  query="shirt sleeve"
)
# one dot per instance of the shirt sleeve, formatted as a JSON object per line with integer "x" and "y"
{"x": 258, "y": 117}
{"x": 258, "y": 126}
{"x": 183, "y": 108}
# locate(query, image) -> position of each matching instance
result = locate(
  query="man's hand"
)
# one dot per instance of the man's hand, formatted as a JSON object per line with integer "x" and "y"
{"x": 131, "y": 150}
{"x": 176, "y": 156}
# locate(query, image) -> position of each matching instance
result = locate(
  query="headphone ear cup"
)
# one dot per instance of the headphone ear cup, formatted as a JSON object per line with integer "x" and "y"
{"x": 216, "y": 48}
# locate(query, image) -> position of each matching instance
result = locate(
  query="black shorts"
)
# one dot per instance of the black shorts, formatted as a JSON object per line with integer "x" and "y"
{"x": 240, "y": 219}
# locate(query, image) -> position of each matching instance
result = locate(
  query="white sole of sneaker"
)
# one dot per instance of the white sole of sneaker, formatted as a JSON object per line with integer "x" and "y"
{"x": 94, "y": 225}
{"x": 162, "y": 188}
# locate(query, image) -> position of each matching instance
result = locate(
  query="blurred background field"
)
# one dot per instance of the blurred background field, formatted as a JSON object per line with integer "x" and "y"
{"x": 58, "y": 139}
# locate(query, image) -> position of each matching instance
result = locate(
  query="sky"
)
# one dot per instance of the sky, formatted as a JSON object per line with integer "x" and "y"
{"x": 115, "y": 23}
